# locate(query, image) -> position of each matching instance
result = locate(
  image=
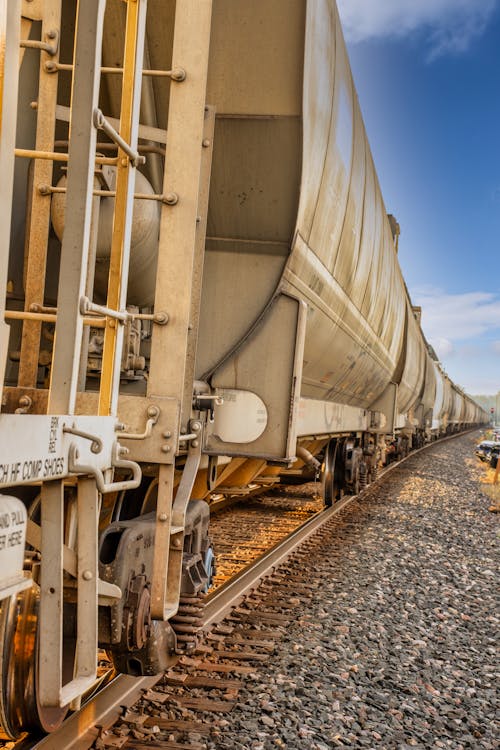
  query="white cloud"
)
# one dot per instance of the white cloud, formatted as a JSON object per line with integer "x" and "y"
{"x": 450, "y": 25}
{"x": 481, "y": 384}
{"x": 443, "y": 347}
{"x": 457, "y": 317}
{"x": 464, "y": 330}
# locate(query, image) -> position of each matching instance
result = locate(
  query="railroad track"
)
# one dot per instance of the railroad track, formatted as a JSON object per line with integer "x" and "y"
{"x": 230, "y": 609}
{"x": 100, "y": 713}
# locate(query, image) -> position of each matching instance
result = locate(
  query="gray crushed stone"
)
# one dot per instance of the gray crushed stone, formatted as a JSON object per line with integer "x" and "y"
{"x": 397, "y": 648}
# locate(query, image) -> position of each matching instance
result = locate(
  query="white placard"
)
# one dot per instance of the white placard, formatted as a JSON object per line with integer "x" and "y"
{"x": 13, "y": 522}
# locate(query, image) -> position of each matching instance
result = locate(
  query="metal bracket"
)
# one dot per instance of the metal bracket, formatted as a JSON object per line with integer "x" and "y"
{"x": 187, "y": 480}
{"x": 101, "y": 123}
{"x": 153, "y": 414}
{"x": 87, "y": 306}
{"x": 25, "y": 404}
{"x": 50, "y": 48}
{"x": 178, "y": 75}
{"x": 171, "y": 199}
{"x": 96, "y": 446}
{"x": 117, "y": 462}
{"x": 160, "y": 318}
{"x": 167, "y": 561}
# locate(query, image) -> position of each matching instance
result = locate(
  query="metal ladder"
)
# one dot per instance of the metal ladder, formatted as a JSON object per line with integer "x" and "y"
{"x": 74, "y": 308}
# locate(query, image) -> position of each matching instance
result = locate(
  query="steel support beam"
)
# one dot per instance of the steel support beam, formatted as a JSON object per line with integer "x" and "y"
{"x": 51, "y": 691}
{"x": 10, "y": 18}
{"x": 124, "y": 203}
{"x": 177, "y": 253}
{"x": 178, "y": 227}
{"x": 51, "y": 594}
{"x": 38, "y": 217}
{"x": 199, "y": 257}
{"x": 76, "y": 239}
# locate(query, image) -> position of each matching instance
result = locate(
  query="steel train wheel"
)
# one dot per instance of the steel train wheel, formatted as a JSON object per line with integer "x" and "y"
{"x": 210, "y": 567}
{"x": 328, "y": 488}
{"x": 19, "y": 708}
{"x": 356, "y": 480}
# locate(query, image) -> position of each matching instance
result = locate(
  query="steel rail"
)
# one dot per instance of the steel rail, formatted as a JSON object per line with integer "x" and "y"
{"x": 222, "y": 601}
{"x": 218, "y": 604}
{"x": 82, "y": 728}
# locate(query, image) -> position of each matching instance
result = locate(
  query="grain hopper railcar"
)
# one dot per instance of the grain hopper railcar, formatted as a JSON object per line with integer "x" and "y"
{"x": 199, "y": 292}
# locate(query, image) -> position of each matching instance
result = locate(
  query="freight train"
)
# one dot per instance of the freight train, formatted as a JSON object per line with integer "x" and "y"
{"x": 200, "y": 294}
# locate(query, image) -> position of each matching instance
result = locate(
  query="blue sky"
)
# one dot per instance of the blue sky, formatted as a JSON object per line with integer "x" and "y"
{"x": 427, "y": 74}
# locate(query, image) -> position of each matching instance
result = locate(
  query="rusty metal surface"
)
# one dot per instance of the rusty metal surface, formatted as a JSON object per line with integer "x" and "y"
{"x": 39, "y": 210}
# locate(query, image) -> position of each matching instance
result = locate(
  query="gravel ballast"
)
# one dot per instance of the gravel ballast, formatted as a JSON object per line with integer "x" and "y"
{"x": 395, "y": 648}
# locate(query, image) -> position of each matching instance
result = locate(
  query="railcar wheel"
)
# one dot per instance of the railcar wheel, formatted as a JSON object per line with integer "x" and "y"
{"x": 327, "y": 470}
{"x": 210, "y": 567}
{"x": 20, "y": 710}
{"x": 356, "y": 480}
{"x": 328, "y": 484}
